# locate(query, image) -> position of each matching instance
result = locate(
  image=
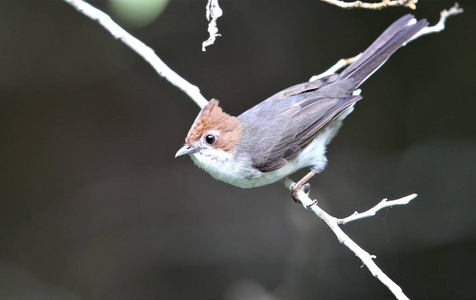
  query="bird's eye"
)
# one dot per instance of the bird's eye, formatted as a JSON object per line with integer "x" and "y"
{"x": 210, "y": 139}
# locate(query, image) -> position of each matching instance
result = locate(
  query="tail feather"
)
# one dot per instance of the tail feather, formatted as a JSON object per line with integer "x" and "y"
{"x": 386, "y": 44}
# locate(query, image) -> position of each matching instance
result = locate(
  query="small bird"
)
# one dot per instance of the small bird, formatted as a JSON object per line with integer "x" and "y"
{"x": 291, "y": 129}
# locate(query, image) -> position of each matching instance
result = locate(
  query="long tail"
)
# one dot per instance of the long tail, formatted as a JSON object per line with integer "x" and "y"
{"x": 384, "y": 46}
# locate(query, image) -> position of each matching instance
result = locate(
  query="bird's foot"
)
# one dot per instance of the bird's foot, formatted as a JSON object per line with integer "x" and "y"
{"x": 296, "y": 188}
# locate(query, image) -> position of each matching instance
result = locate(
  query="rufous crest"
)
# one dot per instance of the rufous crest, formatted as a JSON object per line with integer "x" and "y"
{"x": 212, "y": 117}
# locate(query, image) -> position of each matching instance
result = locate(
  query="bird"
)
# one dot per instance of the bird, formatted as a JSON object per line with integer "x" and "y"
{"x": 291, "y": 129}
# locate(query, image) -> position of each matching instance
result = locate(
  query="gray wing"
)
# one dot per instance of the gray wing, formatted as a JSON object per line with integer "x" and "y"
{"x": 296, "y": 115}
{"x": 314, "y": 115}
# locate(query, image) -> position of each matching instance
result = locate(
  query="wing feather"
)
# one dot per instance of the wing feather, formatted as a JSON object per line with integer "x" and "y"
{"x": 306, "y": 119}
{"x": 299, "y": 113}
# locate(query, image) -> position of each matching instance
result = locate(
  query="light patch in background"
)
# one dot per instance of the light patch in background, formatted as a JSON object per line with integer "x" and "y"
{"x": 137, "y": 13}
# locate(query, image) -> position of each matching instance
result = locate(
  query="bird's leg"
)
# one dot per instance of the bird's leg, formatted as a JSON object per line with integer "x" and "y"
{"x": 302, "y": 185}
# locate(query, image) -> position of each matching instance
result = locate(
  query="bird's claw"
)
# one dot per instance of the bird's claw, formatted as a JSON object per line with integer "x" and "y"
{"x": 296, "y": 188}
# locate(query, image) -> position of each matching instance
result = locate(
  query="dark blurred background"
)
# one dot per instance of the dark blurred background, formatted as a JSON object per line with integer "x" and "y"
{"x": 94, "y": 205}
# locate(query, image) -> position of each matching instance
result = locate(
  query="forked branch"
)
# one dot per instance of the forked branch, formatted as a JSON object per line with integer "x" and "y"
{"x": 333, "y": 223}
{"x": 194, "y": 93}
{"x": 371, "y": 212}
{"x": 444, "y": 14}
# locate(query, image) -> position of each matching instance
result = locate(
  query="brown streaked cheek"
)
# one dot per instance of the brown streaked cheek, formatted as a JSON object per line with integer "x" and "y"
{"x": 227, "y": 141}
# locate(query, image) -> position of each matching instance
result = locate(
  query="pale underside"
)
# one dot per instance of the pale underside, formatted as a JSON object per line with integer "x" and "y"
{"x": 222, "y": 166}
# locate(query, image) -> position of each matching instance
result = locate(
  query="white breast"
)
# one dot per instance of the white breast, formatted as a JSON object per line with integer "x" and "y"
{"x": 222, "y": 165}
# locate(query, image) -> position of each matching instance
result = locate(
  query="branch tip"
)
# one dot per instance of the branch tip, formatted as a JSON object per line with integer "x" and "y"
{"x": 213, "y": 13}
{"x": 444, "y": 14}
{"x": 440, "y": 26}
{"x": 373, "y": 5}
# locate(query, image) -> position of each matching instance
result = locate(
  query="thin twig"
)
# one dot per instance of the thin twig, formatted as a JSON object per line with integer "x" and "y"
{"x": 444, "y": 14}
{"x": 213, "y": 13}
{"x": 333, "y": 223}
{"x": 344, "y": 62}
{"x": 371, "y": 212}
{"x": 377, "y": 5}
{"x": 194, "y": 93}
{"x": 140, "y": 48}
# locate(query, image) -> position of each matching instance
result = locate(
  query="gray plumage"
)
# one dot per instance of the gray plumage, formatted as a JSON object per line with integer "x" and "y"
{"x": 298, "y": 114}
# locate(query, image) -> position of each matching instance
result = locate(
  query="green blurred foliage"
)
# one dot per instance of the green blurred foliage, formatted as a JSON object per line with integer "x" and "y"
{"x": 137, "y": 13}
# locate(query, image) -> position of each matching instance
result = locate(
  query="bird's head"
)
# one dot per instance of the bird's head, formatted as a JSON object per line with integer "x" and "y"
{"x": 212, "y": 132}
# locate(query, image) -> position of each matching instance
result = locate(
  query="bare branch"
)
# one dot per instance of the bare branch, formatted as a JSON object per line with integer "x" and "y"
{"x": 376, "y": 5}
{"x": 140, "y": 48}
{"x": 440, "y": 26}
{"x": 333, "y": 223}
{"x": 344, "y": 62}
{"x": 371, "y": 212}
{"x": 213, "y": 13}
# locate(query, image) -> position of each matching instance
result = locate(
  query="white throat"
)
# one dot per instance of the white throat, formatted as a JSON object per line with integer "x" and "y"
{"x": 224, "y": 166}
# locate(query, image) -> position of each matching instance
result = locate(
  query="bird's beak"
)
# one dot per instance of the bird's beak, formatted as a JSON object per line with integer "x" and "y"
{"x": 186, "y": 149}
